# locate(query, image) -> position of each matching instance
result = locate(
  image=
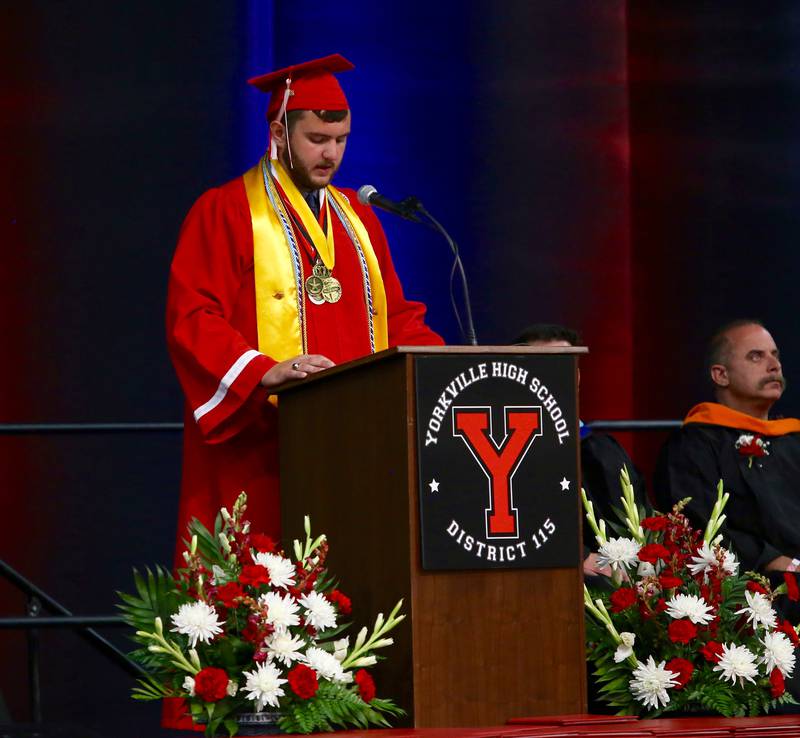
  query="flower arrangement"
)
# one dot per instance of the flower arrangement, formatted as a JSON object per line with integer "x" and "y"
{"x": 243, "y": 628}
{"x": 680, "y": 628}
{"x": 751, "y": 446}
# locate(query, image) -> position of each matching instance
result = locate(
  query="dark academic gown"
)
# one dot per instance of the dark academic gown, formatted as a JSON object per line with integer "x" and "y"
{"x": 763, "y": 513}
{"x": 602, "y": 459}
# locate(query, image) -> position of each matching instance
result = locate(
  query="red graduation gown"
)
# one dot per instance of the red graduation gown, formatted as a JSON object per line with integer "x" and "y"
{"x": 230, "y": 437}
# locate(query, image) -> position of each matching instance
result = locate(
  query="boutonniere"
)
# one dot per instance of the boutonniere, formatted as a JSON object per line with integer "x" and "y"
{"x": 752, "y": 446}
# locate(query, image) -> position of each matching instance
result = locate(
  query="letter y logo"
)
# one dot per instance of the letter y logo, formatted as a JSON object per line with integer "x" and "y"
{"x": 499, "y": 461}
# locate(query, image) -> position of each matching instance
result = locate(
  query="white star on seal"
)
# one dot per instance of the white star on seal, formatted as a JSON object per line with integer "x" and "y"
{"x": 564, "y": 484}
{"x": 434, "y": 485}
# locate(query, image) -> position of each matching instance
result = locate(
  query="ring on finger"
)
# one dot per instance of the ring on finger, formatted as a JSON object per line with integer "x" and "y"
{"x": 296, "y": 366}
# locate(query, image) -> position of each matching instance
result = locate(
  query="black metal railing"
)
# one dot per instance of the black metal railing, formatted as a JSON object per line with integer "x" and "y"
{"x": 35, "y": 429}
{"x": 37, "y": 602}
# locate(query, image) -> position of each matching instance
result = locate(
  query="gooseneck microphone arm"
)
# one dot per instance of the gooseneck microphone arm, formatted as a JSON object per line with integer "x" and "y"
{"x": 408, "y": 209}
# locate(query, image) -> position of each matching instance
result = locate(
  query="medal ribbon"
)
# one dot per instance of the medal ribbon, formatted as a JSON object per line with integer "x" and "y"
{"x": 322, "y": 241}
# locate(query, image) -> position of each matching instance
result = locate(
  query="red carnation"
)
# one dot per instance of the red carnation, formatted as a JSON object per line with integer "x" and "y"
{"x": 262, "y": 543}
{"x": 684, "y": 670}
{"x": 366, "y": 685}
{"x": 778, "y": 686}
{"x": 661, "y": 605}
{"x": 254, "y": 575}
{"x": 788, "y": 629}
{"x": 658, "y": 522}
{"x": 622, "y": 599}
{"x": 342, "y": 601}
{"x": 669, "y": 581}
{"x": 681, "y": 631}
{"x": 756, "y": 447}
{"x": 303, "y": 681}
{"x": 652, "y": 552}
{"x": 252, "y": 633}
{"x": 793, "y": 593}
{"x": 712, "y": 651}
{"x": 756, "y": 587}
{"x": 211, "y": 684}
{"x": 229, "y": 592}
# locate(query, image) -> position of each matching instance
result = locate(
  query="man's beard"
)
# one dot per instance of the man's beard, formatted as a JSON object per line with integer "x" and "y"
{"x": 300, "y": 174}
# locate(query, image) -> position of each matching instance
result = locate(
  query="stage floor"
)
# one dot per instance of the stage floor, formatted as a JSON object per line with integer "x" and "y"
{"x": 604, "y": 726}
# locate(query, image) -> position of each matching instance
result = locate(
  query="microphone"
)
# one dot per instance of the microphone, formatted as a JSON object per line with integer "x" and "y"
{"x": 368, "y": 195}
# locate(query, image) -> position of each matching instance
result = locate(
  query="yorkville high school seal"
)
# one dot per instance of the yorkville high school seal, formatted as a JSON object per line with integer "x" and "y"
{"x": 497, "y": 442}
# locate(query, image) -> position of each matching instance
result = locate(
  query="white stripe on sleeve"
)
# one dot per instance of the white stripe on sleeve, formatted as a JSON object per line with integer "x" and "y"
{"x": 224, "y": 384}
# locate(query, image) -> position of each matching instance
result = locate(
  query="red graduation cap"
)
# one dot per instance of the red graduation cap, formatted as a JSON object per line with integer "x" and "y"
{"x": 310, "y": 86}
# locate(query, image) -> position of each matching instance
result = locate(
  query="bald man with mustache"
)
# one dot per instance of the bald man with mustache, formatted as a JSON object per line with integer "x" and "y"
{"x": 735, "y": 439}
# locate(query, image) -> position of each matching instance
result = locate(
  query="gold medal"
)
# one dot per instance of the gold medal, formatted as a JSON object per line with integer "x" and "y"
{"x": 331, "y": 289}
{"x": 314, "y": 286}
{"x": 316, "y": 282}
{"x": 321, "y": 287}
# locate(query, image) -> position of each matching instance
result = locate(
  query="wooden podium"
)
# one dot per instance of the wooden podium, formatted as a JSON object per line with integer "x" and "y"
{"x": 477, "y": 646}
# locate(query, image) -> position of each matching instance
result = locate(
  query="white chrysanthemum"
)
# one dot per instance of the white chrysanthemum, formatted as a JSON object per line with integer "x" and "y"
{"x": 264, "y": 685}
{"x": 704, "y": 561}
{"x": 197, "y": 620}
{"x": 737, "y": 662}
{"x": 618, "y": 552}
{"x": 281, "y": 570}
{"x": 285, "y": 647}
{"x": 320, "y": 613}
{"x": 730, "y": 564}
{"x": 690, "y": 606}
{"x": 650, "y": 683}
{"x": 188, "y": 685}
{"x": 325, "y": 664}
{"x": 281, "y": 610}
{"x": 778, "y": 652}
{"x": 759, "y": 610}
{"x": 625, "y": 648}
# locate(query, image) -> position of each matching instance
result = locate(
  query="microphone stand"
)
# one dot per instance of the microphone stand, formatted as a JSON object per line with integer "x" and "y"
{"x": 412, "y": 205}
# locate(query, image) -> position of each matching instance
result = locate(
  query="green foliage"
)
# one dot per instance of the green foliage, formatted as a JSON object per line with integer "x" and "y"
{"x": 231, "y": 653}
{"x": 208, "y": 543}
{"x": 150, "y": 689}
{"x": 336, "y": 705}
{"x": 156, "y": 596}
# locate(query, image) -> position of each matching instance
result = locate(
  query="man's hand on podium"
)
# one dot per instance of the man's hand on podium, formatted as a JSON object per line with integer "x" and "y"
{"x": 591, "y": 566}
{"x": 298, "y": 367}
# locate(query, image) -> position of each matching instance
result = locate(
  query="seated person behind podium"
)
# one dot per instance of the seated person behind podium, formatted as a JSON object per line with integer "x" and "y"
{"x": 733, "y": 439}
{"x": 277, "y": 275}
{"x": 602, "y": 457}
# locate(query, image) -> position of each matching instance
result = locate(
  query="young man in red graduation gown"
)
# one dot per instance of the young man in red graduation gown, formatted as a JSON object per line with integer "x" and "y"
{"x": 264, "y": 290}
{"x": 277, "y": 275}
{"x": 733, "y": 439}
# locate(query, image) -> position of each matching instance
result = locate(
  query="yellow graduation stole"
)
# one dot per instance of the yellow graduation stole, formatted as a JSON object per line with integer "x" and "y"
{"x": 278, "y": 264}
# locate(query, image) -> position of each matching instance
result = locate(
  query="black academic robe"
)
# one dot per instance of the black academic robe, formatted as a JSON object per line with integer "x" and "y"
{"x": 763, "y": 513}
{"x": 602, "y": 459}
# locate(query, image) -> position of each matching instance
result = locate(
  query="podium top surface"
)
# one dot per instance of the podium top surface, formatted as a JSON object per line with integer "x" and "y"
{"x": 429, "y": 351}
